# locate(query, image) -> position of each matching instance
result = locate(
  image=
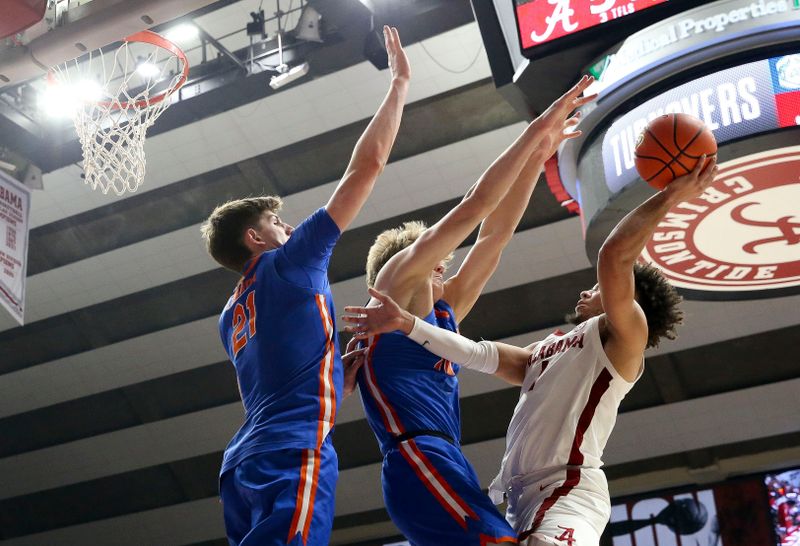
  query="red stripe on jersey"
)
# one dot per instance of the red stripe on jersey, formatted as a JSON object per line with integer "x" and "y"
{"x": 423, "y": 468}
{"x": 436, "y": 484}
{"x": 327, "y": 394}
{"x": 306, "y": 491}
{"x": 464, "y": 506}
{"x": 313, "y": 495}
{"x": 390, "y": 418}
{"x": 298, "y": 503}
{"x": 599, "y": 388}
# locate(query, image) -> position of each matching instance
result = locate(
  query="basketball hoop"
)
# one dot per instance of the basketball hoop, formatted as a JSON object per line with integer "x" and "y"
{"x": 114, "y": 99}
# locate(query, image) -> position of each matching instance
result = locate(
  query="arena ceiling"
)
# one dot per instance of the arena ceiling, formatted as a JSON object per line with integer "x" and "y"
{"x": 117, "y": 398}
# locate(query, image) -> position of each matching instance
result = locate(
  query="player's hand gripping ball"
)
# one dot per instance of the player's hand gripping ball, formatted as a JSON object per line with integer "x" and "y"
{"x": 670, "y": 146}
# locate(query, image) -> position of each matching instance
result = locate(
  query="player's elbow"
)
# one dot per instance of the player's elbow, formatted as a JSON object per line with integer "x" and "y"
{"x": 477, "y": 206}
{"x": 369, "y": 166}
{"x": 512, "y": 364}
{"x": 496, "y": 238}
{"x": 510, "y": 373}
{"x": 614, "y": 251}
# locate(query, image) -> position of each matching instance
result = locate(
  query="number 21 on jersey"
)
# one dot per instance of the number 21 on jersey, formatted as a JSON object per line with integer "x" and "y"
{"x": 243, "y": 317}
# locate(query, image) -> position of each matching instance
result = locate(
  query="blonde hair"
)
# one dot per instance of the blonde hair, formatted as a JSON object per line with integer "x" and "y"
{"x": 389, "y": 243}
{"x": 223, "y": 231}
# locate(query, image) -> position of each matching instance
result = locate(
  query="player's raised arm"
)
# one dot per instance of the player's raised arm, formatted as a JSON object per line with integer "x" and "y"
{"x": 404, "y": 271}
{"x": 625, "y": 320}
{"x": 504, "y": 361}
{"x": 554, "y": 126}
{"x": 372, "y": 149}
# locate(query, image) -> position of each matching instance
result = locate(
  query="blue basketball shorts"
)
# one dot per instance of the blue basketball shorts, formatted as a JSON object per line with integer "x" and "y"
{"x": 281, "y": 497}
{"x": 433, "y": 496}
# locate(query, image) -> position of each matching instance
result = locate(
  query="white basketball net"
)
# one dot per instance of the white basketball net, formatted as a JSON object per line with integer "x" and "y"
{"x": 113, "y": 108}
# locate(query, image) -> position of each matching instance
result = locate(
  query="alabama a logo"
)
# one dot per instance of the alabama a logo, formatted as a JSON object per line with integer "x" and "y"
{"x": 739, "y": 239}
{"x": 562, "y": 16}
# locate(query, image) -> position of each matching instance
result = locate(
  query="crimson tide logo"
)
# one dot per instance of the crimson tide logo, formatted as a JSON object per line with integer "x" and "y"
{"x": 541, "y": 21}
{"x": 741, "y": 238}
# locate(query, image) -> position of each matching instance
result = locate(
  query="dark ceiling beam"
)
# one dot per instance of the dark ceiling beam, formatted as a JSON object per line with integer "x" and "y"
{"x": 213, "y": 542}
{"x": 668, "y": 381}
{"x": 146, "y": 402}
{"x": 19, "y": 122}
{"x": 671, "y": 388}
{"x": 17, "y": 131}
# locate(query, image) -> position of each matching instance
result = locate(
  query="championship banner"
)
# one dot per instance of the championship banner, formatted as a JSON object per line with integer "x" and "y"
{"x": 15, "y": 203}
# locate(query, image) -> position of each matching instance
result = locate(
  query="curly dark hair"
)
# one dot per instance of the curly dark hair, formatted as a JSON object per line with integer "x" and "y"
{"x": 659, "y": 300}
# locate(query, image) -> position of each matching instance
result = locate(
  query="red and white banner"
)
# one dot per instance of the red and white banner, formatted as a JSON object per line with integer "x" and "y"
{"x": 541, "y": 21}
{"x": 15, "y": 202}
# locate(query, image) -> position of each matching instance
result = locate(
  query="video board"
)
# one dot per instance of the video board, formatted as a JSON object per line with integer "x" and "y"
{"x": 784, "y": 502}
{"x": 542, "y": 21}
{"x": 734, "y": 103}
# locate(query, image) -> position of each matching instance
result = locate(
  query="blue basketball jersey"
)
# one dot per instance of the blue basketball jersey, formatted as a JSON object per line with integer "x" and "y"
{"x": 406, "y": 388}
{"x": 279, "y": 330}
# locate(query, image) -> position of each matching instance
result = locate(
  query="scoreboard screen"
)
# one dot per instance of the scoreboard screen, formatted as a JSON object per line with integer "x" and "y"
{"x": 734, "y": 103}
{"x": 784, "y": 503}
{"x": 542, "y": 21}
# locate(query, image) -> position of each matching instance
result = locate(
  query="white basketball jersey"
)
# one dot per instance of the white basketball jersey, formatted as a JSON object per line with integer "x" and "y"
{"x": 567, "y": 407}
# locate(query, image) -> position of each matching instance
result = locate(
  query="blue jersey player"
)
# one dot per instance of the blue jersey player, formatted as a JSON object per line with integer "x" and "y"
{"x": 279, "y": 471}
{"x": 411, "y": 396}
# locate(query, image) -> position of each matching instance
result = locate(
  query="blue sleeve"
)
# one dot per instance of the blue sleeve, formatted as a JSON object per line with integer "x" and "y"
{"x": 303, "y": 260}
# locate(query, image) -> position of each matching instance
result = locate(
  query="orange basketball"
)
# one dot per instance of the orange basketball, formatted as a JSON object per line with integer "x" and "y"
{"x": 670, "y": 146}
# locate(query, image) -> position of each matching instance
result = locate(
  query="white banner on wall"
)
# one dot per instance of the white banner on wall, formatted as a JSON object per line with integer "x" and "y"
{"x": 15, "y": 203}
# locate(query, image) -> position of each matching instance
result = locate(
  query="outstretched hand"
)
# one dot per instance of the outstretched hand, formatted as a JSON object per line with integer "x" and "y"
{"x": 364, "y": 322}
{"x": 398, "y": 61}
{"x": 691, "y": 185}
{"x": 352, "y": 360}
{"x": 558, "y": 123}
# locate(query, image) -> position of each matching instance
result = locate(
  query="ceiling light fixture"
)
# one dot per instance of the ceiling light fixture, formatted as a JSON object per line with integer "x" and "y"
{"x": 288, "y": 75}
{"x": 147, "y": 70}
{"x": 185, "y": 32}
{"x": 60, "y": 101}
